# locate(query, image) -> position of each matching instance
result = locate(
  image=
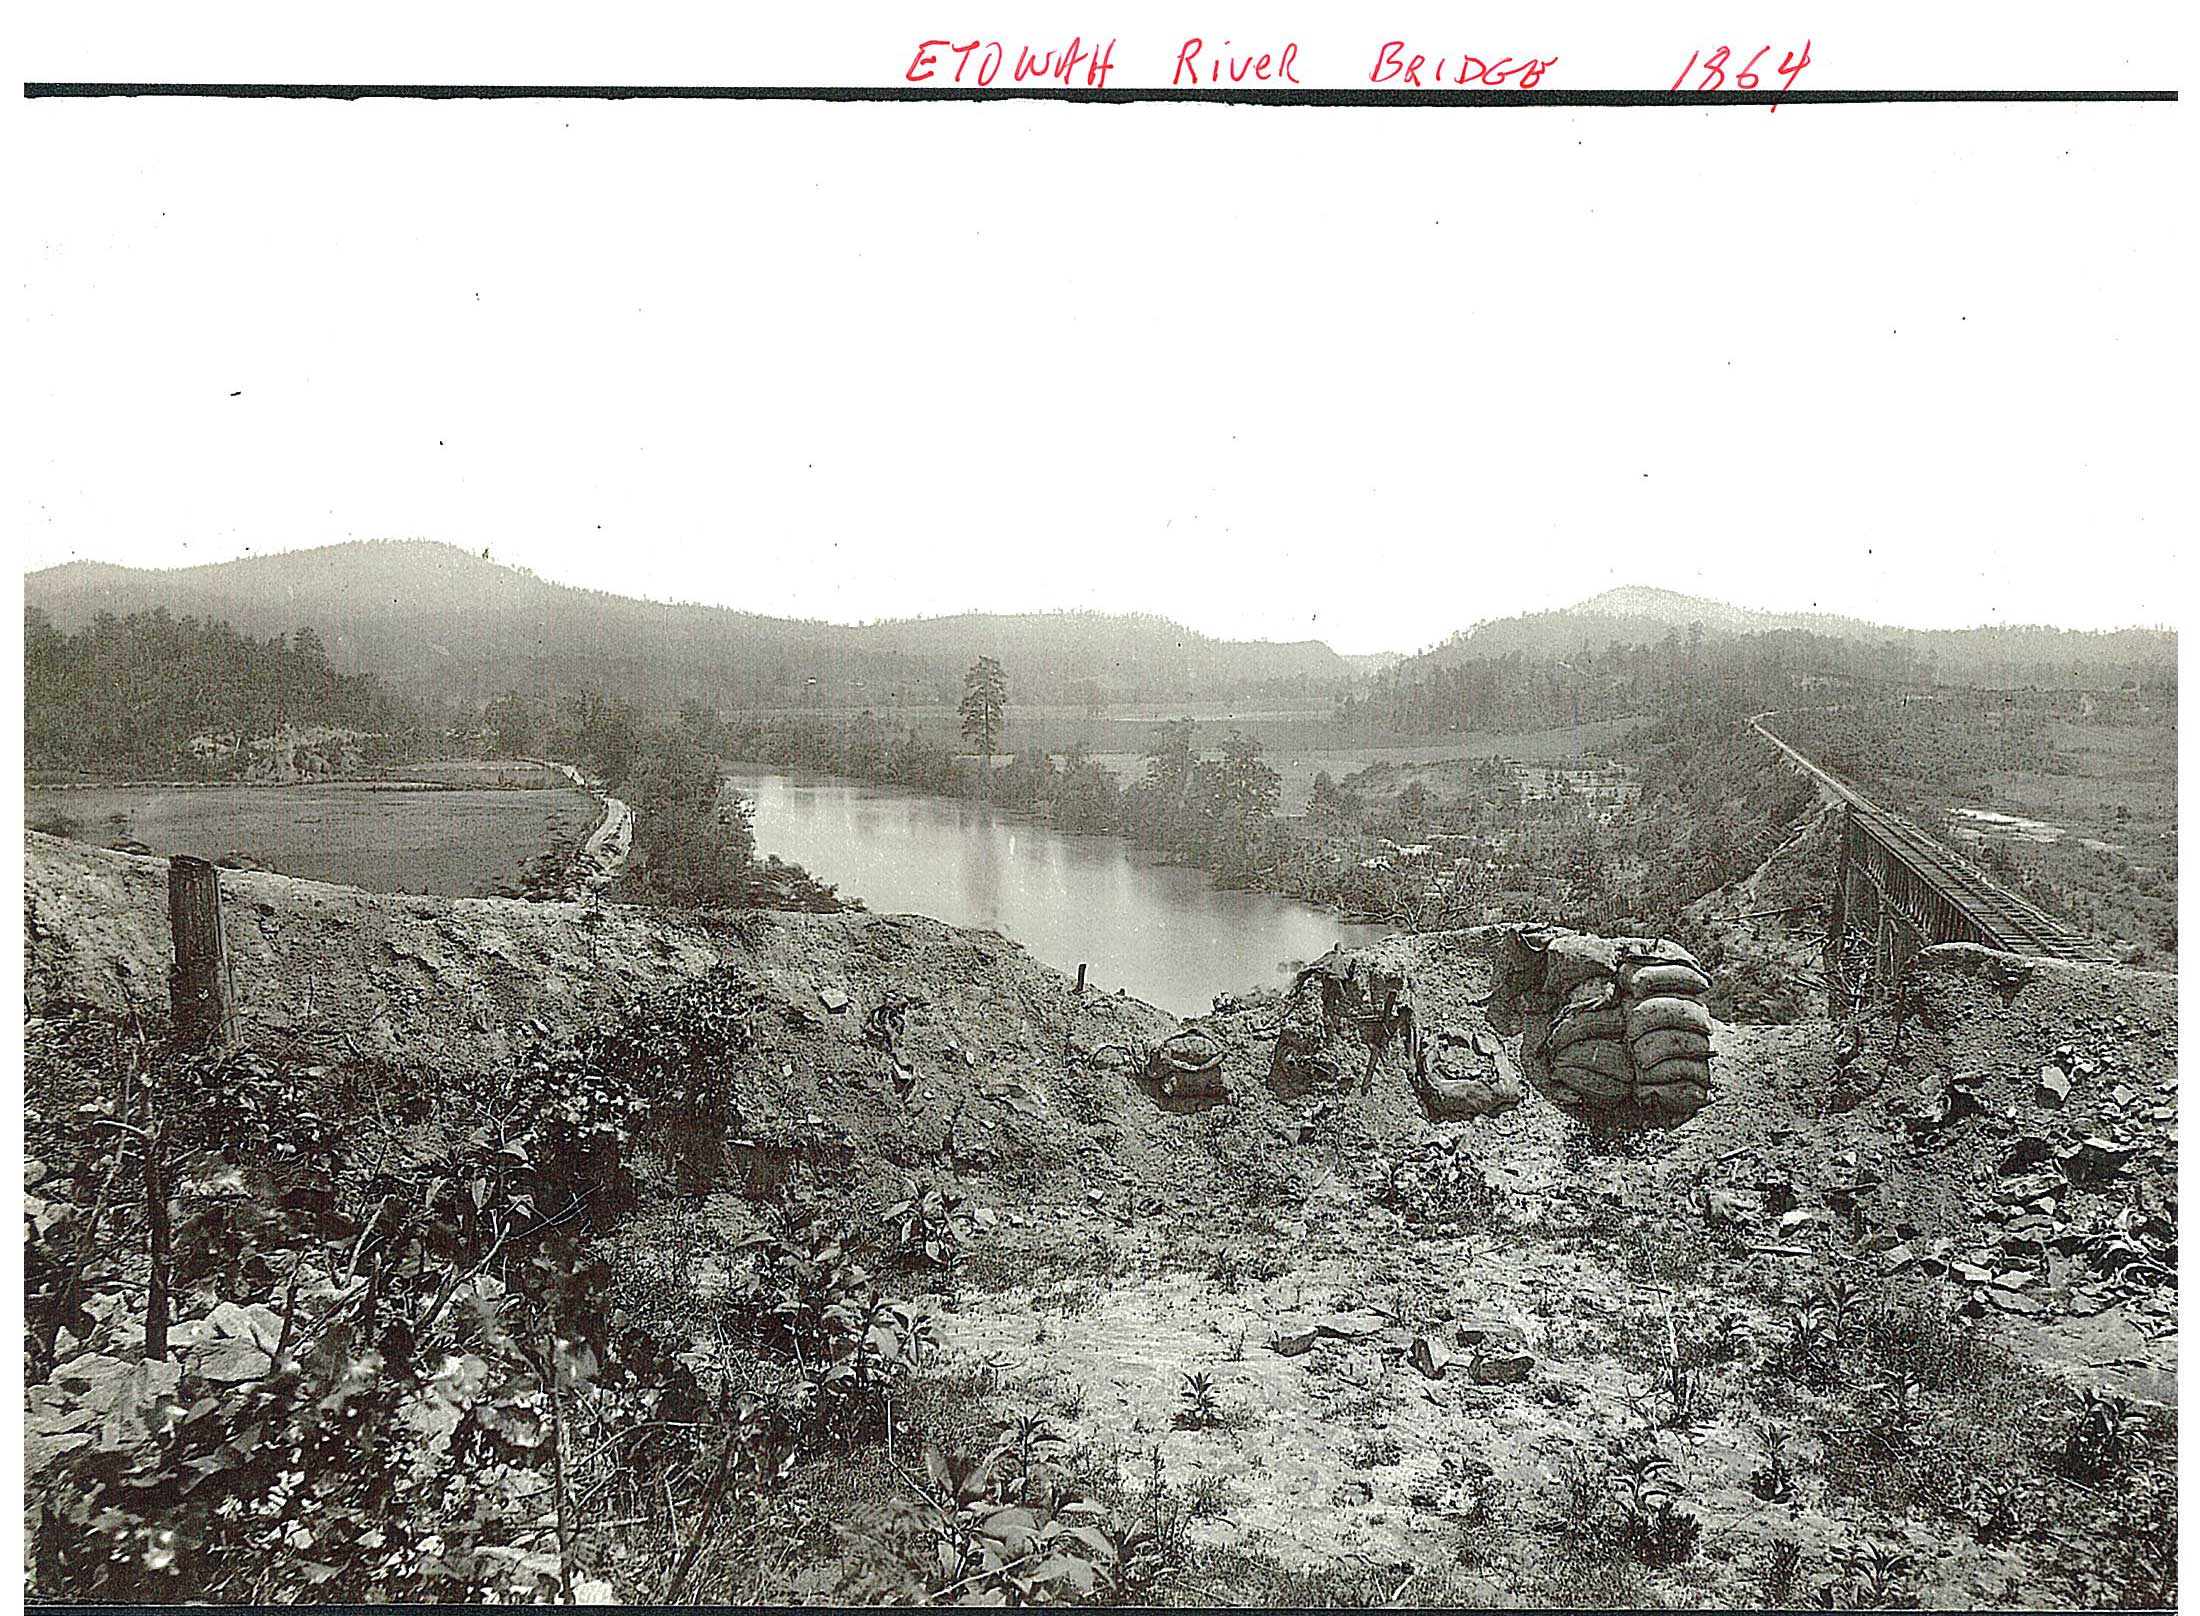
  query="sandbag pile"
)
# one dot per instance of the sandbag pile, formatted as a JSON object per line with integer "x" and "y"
{"x": 1339, "y": 1009}
{"x": 1188, "y": 1064}
{"x": 1611, "y": 1022}
{"x": 1356, "y": 1012}
{"x": 1466, "y": 1072}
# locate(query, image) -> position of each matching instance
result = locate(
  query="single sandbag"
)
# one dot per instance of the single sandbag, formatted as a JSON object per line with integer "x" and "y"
{"x": 1471, "y": 1076}
{"x": 1605, "y": 1021}
{"x": 1596, "y": 1068}
{"x": 1652, "y": 981}
{"x": 1654, "y": 1047}
{"x": 1672, "y": 1099}
{"x": 1605, "y": 1055}
{"x": 1680, "y": 1069}
{"x": 1205, "y": 1084}
{"x": 1589, "y": 1084}
{"x": 1658, "y": 1015}
{"x": 1575, "y": 958}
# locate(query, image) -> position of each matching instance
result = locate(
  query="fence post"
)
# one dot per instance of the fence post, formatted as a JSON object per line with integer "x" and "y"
{"x": 197, "y": 982}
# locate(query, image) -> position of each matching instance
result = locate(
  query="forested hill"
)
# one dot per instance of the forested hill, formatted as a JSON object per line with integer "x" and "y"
{"x": 430, "y": 618}
{"x": 155, "y": 694}
{"x": 1643, "y": 660}
{"x": 2012, "y": 656}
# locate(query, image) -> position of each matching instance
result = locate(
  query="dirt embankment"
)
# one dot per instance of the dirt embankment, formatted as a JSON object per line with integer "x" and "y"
{"x": 416, "y": 989}
{"x": 1260, "y": 1234}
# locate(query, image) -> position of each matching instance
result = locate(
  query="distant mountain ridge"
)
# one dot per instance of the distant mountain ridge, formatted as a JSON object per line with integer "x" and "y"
{"x": 424, "y": 615}
{"x": 1638, "y": 615}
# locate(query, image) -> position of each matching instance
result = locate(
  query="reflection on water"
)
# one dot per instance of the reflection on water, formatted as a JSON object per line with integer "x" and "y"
{"x": 1168, "y": 935}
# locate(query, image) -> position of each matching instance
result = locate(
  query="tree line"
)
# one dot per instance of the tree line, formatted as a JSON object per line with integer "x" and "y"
{"x": 131, "y": 695}
{"x": 1456, "y": 690}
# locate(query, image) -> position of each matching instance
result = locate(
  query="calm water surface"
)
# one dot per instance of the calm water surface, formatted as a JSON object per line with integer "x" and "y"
{"x": 1166, "y": 934}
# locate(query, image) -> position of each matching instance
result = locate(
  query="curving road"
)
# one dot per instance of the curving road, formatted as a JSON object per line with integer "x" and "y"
{"x": 604, "y": 853}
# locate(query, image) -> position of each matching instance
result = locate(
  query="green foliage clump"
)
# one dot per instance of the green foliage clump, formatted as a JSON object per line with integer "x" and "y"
{"x": 361, "y": 1392}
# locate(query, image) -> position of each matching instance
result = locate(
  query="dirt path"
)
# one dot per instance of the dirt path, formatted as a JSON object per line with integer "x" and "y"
{"x": 605, "y": 852}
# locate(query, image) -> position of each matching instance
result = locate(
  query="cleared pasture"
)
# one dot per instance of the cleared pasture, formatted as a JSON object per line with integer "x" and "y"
{"x": 454, "y": 843}
{"x": 1298, "y": 742}
{"x": 1298, "y": 764}
{"x": 505, "y": 773}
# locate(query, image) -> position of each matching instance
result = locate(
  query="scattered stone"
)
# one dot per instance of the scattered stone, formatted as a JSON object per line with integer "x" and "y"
{"x": 1482, "y": 1332}
{"x": 1296, "y": 1343}
{"x": 2053, "y": 1087}
{"x": 1430, "y": 1356}
{"x": 1356, "y": 1326}
{"x": 2096, "y": 1160}
{"x": 1501, "y": 1368}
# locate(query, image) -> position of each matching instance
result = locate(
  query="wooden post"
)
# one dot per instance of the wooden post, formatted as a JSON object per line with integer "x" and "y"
{"x": 1080, "y": 978}
{"x": 156, "y": 1231}
{"x": 197, "y": 982}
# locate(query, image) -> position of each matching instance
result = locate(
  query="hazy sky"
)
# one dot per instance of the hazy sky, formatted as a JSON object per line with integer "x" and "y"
{"x": 1242, "y": 368}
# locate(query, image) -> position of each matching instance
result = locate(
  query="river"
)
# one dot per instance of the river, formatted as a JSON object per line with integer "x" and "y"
{"x": 1166, "y": 934}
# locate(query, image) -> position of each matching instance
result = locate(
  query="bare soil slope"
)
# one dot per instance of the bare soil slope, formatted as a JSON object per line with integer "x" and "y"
{"x": 1840, "y": 1307}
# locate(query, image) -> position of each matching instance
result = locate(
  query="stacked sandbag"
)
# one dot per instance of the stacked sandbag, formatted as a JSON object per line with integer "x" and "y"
{"x": 1668, "y": 1031}
{"x": 1610, "y": 1022}
{"x": 1587, "y": 1044}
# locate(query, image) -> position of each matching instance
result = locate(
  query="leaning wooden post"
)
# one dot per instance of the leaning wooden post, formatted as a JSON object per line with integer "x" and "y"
{"x": 197, "y": 982}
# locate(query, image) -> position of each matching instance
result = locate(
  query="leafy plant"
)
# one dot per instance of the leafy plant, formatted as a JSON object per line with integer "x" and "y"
{"x": 1202, "y": 1400}
{"x": 1684, "y": 1397}
{"x": 1873, "y": 1576}
{"x": 2003, "y": 1508}
{"x": 2103, "y": 1435}
{"x": 1774, "y": 1480}
{"x": 929, "y": 1224}
{"x": 1653, "y": 1526}
{"x": 1902, "y": 1419}
{"x": 1811, "y": 1347}
{"x": 1841, "y": 1297}
{"x": 1783, "y": 1568}
{"x": 1733, "y": 1341}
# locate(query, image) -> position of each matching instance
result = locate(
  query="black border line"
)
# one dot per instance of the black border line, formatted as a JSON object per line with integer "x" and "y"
{"x": 1227, "y": 95}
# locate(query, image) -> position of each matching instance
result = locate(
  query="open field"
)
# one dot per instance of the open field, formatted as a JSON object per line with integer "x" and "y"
{"x": 2072, "y": 798}
{"x": 1298, "y": 744}
{"x": 453, "y": 843}
{"x": 504, "y": 773}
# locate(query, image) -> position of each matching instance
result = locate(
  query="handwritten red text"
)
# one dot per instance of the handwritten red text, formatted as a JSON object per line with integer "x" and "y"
{"x": 1223, "y": 67}
{"x": 984, "y": 60}
{"x": 1394, "y": 64}
{"x": 1712, "y": 72}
